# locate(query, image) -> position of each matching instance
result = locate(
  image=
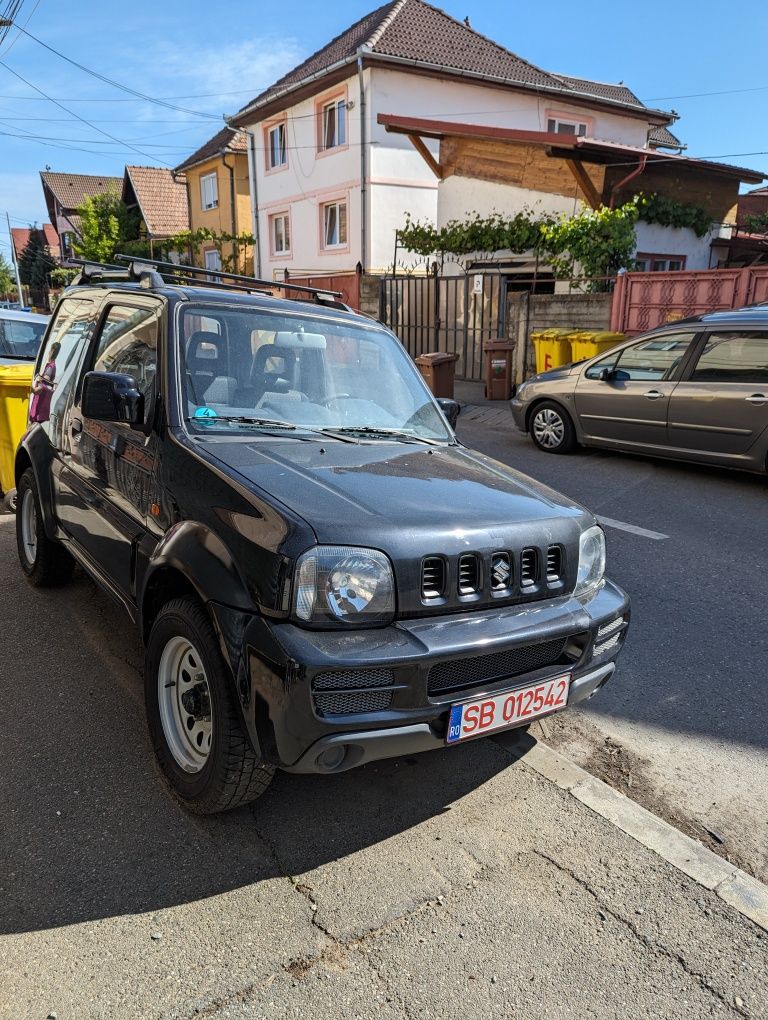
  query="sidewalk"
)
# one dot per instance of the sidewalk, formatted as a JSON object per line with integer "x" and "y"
{"x": 476, "y": 407}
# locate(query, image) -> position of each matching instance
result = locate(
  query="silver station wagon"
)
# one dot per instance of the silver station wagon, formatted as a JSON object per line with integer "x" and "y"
{"x": 694, "y": 390}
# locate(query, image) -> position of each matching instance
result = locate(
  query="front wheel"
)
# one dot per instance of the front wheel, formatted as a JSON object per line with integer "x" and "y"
{"x": 552, "y": 429}
{"x": 199, "y": 740}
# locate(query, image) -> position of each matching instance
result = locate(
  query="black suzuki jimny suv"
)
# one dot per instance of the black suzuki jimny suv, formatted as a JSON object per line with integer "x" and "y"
{"x": 321, "y": 573}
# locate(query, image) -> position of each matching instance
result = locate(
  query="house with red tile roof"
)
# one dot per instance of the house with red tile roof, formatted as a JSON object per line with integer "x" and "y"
{"x": 159, "y": 196}
{"x": 20, "y": 239}
{"x": 64, "y": 194}
{"x": 330, "y": 185}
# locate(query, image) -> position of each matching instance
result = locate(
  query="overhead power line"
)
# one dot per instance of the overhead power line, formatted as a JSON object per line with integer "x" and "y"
{"x": 117, "y": 84}
{"x": 700, "y": 95}
{"x": 77, "y": 116}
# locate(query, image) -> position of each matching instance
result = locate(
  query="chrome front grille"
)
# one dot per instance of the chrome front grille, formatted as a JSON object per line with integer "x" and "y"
{"x": 529, "y": 573}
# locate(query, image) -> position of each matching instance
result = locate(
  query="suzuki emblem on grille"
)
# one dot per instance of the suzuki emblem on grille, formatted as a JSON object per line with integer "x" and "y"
{"x": 500, "y": 572}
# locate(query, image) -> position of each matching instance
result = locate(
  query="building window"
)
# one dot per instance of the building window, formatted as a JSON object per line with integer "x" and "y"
{"x": 276, "y": 151}
{"x": 334, "y": 124}
{"x": 646, "y": 263}
{"x": 209, "y": 191}
{"x": 280, "y": 233}
{"x": 334, "y": 224}
{"x": 556, "y": 126}
{"x": 212, "y": 259}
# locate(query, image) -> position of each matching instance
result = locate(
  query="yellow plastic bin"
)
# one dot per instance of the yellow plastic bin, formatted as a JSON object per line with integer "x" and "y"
{"x": 588, "y": 344}
{"x": 15, "y": 384}
{"x": 553, "y": 348}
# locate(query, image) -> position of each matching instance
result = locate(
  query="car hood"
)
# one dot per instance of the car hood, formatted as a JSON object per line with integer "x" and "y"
{"x": 388, "y": 495}
{"x": 556, "y": 373}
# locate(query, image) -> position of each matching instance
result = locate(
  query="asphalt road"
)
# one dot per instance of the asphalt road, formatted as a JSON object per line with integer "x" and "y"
{"x": 683, "y": 726}
{"x": 458, "y": 883}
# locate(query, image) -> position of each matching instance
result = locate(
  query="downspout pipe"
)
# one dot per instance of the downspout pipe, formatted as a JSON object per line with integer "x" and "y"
{"x": 363, "y": 164}
{"x": 625, "y": 180}
{"x": 253, "y": 186}
{"x": 233, "y": 209}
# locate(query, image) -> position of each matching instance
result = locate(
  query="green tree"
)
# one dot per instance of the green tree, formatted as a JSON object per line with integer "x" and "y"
{"x": 105, "y": 225}
{"x": 35, "y": 263}
{"x": 597, "y": 242}
{"x": 7, "y": 277}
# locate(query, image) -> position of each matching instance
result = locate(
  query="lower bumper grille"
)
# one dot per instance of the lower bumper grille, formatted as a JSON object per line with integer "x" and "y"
{"x": 352, "y": 691}
{"x": 462, "y": 673}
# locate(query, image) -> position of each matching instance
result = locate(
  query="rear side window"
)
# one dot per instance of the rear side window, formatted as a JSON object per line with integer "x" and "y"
{"x": 63, "y": 355}
{"x": 737, "y": 357}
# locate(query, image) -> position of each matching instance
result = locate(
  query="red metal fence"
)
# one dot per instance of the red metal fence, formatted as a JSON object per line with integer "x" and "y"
{"x": 643, "y": 301}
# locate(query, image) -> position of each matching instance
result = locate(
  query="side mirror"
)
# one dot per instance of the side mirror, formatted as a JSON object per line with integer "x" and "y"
{"x": 605, "y": 374}
{"x": 450, "y": 409}
{"x": 112, "y": 396}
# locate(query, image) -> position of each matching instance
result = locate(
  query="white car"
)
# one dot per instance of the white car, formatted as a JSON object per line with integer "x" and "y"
{"x": 20, "y": 335}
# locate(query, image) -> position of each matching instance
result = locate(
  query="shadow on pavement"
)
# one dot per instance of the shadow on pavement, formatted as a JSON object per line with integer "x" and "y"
{"x": 88, "y": 830}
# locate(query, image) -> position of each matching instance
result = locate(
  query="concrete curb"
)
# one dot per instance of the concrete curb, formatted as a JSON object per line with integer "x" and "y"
{"x": 734, "y": 886}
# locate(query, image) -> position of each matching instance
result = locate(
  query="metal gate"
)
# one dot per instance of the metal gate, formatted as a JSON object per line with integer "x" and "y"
{"x": 456, "y": 314}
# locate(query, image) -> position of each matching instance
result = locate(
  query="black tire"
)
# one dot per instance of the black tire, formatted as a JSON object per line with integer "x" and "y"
{"x": 47, "y": 564}
{"x": 232, "y": 774}
{"x": 557, "y": 434}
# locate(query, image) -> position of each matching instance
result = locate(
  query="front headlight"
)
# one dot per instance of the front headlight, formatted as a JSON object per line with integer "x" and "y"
{"x": 591, "y": 560}
{"x": 344, "y": 585}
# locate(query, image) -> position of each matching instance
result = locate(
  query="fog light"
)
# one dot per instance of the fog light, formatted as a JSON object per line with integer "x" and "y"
{"x": 332, "y": 757}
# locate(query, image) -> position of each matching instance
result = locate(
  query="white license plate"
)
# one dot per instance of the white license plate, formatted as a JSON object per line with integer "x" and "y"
{"x": 476, "y": 718}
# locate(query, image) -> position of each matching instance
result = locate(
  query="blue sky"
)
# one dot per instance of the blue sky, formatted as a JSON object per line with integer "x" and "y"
{"x": 222, "y": 54}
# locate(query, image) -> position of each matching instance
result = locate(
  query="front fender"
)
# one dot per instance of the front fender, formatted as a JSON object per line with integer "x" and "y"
{"x": 35, "y": 451}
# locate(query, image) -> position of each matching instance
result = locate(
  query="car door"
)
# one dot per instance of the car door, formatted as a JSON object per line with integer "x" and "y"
{"x": 719, "y": 411}
{"x": 628, "y": 406}
{"x": 111, "y": 470}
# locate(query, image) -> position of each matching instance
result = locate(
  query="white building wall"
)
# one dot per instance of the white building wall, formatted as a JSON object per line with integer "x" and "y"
{"x": 399, "y": 181}
{"x": 654, "y": 239}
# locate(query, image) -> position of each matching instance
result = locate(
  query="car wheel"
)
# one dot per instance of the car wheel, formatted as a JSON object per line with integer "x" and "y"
{"x": 9, "y": 501}
{"x": 45, "y": 562}
{"x": 198, "y": 737}
{"x": 552, "y": 429}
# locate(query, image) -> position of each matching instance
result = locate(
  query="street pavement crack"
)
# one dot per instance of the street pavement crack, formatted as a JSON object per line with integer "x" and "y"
{"x": 649, "y": 943}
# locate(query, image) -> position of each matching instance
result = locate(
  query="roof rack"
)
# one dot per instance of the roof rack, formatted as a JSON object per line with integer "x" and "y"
{"x": 103, "y": 272}
{"x": 234, "y": 281}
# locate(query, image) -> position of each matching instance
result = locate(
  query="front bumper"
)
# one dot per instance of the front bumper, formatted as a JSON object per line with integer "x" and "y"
{"x": 282, "y": 666}
{"x": 518, "y": 407}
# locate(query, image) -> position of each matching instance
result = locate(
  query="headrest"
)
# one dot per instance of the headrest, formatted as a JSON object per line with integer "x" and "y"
{"x": 204, "y": 346}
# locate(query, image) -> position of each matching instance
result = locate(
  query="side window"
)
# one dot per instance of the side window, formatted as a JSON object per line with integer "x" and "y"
{"x": 733, "y": 358}
{"x": 59, "y": 364}
{"x": 656, "y": 359}
{"x": 127, "y": 343}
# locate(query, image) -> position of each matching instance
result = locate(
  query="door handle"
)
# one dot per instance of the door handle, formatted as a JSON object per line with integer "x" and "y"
{"x": 653, "y": 394}
{"x": 757, "y": 398}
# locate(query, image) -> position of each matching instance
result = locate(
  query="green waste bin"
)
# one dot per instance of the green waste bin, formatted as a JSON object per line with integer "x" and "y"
{"x": 553, "y": 348}
{"x": 588, "y": 344}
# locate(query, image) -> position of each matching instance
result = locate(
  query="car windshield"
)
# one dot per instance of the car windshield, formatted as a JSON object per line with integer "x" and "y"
{"x": 246, "y": 369}
{"x": 20, "y": 338}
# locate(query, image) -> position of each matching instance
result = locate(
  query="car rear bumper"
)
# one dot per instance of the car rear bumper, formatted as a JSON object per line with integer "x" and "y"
{"x": 324, "y": 701}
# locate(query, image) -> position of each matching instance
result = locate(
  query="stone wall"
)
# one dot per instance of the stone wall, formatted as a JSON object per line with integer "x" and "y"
{"x": 529, "y": 313}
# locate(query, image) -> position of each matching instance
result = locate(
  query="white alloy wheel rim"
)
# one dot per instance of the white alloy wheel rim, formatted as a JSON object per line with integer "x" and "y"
{"x": 548, "y": 428}
{"x": 29, "y": 527}
{"x": 184, "y": 696}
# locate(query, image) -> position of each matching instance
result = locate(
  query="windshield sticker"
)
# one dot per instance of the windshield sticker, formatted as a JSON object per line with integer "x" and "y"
{"x": 205, "y": 412}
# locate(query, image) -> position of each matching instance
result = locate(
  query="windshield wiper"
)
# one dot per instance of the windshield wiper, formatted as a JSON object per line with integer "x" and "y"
{"x": 372, "y": 430}
{"x": 241, "y": 419}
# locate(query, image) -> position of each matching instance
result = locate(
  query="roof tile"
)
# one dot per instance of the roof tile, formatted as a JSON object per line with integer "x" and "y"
{"x": 71, "y": 190}
{"x": 162, "y": 199}
{"x": 227, "y": 139}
